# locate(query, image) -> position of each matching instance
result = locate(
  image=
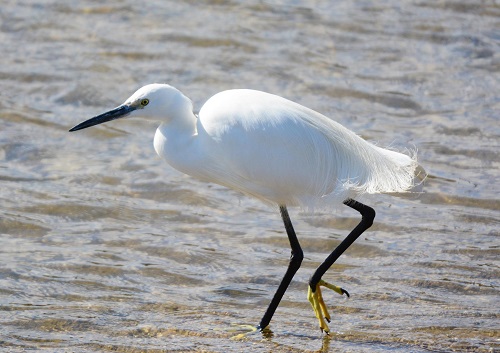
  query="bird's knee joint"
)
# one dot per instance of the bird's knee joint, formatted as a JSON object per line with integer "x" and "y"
{"x": 368, "y": 215}
{"x": 297, "y": 257}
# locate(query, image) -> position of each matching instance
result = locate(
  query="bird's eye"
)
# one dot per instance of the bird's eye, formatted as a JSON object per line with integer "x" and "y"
{"x": 144, "y": 102}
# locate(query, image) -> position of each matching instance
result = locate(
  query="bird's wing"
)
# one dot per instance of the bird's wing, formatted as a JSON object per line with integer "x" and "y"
{"x": 273, "y": 148}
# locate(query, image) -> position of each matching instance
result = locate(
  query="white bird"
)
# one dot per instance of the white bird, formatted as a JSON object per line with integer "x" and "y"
{"x": 275, "y": 150}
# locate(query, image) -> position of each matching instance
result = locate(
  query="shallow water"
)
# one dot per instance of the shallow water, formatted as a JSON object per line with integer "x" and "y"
{"x": 106, "y": 248}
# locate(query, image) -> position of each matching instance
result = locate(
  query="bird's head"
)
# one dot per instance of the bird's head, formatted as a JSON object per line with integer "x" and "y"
{"x": 156, "y": 101}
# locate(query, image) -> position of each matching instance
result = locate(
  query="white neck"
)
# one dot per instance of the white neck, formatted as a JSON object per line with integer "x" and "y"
{"x": 175, "y": 136}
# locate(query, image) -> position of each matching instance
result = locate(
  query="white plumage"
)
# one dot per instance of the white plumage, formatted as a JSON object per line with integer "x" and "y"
{"x": 277, "y": 151}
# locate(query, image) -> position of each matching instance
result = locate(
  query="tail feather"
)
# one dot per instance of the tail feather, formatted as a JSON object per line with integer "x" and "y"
{"x": 394, "y": 172}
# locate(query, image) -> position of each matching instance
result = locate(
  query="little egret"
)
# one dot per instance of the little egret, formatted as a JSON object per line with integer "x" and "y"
{"x": 275, "y": 150}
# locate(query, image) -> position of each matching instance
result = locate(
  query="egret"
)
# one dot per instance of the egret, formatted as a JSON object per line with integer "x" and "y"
{"x": 276, "y": 150}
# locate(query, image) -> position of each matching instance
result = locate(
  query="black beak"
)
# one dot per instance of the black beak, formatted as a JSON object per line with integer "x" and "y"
{"x": 118, "y": 112}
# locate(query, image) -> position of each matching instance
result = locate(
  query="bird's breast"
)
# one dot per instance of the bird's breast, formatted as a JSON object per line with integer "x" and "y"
{"x": 183, "y": 152}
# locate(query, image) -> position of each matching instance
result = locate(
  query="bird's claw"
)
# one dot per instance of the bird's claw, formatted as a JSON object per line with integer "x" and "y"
{"x": 315, "y": 297}
{"x": 247, "y": 330}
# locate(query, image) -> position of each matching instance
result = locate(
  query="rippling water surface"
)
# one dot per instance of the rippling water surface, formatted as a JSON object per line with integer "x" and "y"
{"x": 106, "y": 248}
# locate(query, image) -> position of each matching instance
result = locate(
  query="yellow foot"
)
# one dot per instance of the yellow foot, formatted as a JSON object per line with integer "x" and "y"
{"x": 316, "y": 299}
{"x": 244, "y": 330}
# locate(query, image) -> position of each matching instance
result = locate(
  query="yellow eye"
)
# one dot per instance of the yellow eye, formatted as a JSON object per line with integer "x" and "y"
{"x": 144, "y": 102}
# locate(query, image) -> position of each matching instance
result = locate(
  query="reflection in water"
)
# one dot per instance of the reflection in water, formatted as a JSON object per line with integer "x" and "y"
{"x": 115, "y": 251}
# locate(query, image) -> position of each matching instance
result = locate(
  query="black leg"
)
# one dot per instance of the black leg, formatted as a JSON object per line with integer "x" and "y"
{"x": 367, "y": 216}
{"x": 295, "y": 261}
